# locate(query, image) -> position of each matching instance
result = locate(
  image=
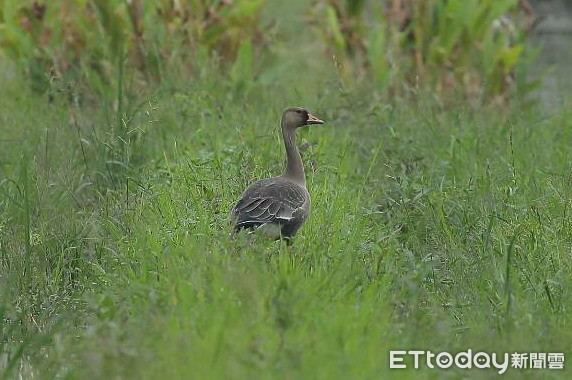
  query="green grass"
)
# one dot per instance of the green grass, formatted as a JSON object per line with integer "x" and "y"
{"x": 430, "y": 229}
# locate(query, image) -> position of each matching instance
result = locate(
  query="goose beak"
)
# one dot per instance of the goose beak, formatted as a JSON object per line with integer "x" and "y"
{"x": 314, "y": 120}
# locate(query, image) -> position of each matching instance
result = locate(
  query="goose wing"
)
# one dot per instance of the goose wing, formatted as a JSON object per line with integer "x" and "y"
{"x": 271, "y": 201}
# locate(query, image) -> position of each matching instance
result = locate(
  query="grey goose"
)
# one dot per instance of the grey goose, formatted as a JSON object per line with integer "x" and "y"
{"x": 278, "y": 206}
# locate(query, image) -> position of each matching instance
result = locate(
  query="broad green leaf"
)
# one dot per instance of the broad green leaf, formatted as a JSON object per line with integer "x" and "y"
{"x": 334, "y": 28}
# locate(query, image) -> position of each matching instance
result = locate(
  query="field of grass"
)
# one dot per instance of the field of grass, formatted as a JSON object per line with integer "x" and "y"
{"x": 432, "y": 228}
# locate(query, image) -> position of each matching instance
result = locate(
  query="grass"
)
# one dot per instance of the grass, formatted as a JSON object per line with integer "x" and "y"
{"x": 431, "y": 229}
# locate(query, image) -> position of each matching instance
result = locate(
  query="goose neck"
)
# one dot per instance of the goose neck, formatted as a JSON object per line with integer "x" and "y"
{"x": 294, "y": 165}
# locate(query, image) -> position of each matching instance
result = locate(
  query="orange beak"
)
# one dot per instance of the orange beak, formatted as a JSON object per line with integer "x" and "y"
{"x": 314, "y": 120}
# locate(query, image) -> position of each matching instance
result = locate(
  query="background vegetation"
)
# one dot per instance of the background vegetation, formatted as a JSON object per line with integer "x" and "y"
{"x": 128, "y": 129}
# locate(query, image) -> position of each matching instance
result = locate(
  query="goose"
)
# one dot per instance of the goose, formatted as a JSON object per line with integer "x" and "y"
{"x": 278, "y": 206}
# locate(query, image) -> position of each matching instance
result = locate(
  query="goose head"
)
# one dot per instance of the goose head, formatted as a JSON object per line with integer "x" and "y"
{"x": 296, "y": 117}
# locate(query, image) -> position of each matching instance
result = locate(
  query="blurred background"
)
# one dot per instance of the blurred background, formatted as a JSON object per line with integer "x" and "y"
{"x": 482, "y": 50}
{"x": 552, "y": 34}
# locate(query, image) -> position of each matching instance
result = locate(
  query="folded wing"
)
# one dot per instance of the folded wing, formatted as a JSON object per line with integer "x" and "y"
{"x": 270, "y": 201}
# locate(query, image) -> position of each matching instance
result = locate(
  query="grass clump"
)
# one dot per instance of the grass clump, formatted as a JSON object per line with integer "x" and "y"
{"x": 440, "y": 230}
{"x": 475, "y": 46}
{"x": 80, "y": 44}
